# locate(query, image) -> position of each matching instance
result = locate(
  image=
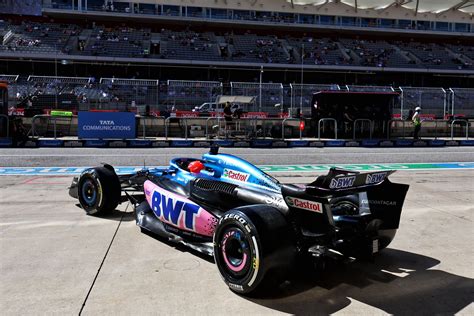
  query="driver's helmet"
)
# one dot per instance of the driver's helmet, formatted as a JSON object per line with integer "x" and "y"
{"x": 195, "y": 166}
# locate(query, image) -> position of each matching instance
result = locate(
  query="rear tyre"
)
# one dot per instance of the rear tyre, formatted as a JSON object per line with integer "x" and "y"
{"x": 252, "y": 245}
{"x": 99, "y": 190}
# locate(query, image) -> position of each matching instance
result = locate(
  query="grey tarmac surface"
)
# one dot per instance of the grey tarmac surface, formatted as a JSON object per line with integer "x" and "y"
{"x": 79, "y": 157}
{"x": 55, "y": 259}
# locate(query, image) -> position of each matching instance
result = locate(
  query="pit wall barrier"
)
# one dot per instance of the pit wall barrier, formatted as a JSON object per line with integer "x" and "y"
{"x": 259, "y": 127}
{"x": 254, "y": 143}
{"x": 158, "y": 131}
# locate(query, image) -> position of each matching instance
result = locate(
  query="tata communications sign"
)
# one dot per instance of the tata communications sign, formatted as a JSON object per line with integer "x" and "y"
{"x": 106, "y": 125}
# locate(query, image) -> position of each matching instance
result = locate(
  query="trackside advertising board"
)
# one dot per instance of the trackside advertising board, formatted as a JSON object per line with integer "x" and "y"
{"x": 106, "y": 125}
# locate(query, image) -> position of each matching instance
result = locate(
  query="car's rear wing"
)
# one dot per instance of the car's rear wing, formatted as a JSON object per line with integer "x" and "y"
{"x": 383, "y": 198}
{"x": 343, "y": 182}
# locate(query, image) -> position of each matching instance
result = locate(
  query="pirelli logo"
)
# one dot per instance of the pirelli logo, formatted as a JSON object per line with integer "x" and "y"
{"x": 304, "y": 204}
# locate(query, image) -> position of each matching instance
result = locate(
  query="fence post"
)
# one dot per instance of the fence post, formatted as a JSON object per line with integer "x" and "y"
{"x": 167, "y": 122}
{"x": 328, "y": 120}
{"x": 207, "y": 127}
{"x": 185, "y": 127}
{"x": 362, "y": 120}
{"x": 452, "y": 128}
{"x": 55, "y": 119}
{"x": 33, "y": 127}
{"x": 283, "y": 129}
{"x": 388, "y": 126}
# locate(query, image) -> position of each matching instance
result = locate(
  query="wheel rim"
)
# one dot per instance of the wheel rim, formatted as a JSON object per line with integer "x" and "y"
{"x": 235, "y": 251}
{"x": 89, "y": 192}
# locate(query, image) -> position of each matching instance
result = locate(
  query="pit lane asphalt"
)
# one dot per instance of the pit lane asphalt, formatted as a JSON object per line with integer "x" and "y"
{"x": 55, "y": 259}
{"x": 81, "y": 157}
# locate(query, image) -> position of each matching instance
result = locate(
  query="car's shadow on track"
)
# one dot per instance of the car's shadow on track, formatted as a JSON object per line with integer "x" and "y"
{"x": 397, "y": 282}
{"x": 117, "y": 215}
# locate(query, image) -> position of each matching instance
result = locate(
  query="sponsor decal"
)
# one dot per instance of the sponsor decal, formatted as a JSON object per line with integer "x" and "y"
{"x": 236, "y": 287}
{"x": 179, "y": 211}
{"x": 172, "y": 211}
{"x": 225, "y": 162}
{"x": 235, "y": 175}
{"x": 375, "y": 246}
{"x": 379, "y": 202}
{"x": 255, "y": 263}
{"x": 106, "y": 125}
{"x": 304, "y": 204}
{"x": 273, "y": 200}
{"x": 236, "y": 217}
{"x": 342, "y": 182}
{"x": 375, "y": 178}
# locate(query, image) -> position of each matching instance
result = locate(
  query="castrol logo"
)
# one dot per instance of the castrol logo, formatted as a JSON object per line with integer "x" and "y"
{"x": 304, "y": 204}
{"x": 235, "y": 175}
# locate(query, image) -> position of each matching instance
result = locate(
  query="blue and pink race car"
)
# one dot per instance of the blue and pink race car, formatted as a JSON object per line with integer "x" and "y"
{"x": 256, "y": 228}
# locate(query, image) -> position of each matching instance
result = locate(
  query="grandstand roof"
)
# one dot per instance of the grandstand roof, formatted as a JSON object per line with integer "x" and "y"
{"x": 419, "y": 6}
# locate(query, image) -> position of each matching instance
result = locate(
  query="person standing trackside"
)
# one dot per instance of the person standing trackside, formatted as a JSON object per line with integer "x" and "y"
{"x": 416, "y": 122}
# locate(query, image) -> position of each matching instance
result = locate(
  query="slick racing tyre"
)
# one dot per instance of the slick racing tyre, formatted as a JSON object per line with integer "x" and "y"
{"x": 99, "y": 190}
{"x": 253, "y": 246}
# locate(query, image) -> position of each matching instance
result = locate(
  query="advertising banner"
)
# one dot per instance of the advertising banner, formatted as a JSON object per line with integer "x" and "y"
{"x": 106, "y": 125}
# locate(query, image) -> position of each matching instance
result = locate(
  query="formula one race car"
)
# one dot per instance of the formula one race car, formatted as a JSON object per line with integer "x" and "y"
{"x": 255, "y": 227}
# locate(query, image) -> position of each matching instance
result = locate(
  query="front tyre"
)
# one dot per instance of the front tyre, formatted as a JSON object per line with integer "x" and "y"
{"x": 250, "y": 243}
{"x": 99, "y": 190}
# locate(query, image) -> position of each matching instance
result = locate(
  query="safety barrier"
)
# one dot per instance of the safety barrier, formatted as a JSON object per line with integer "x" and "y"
{"x": 143, "y": 119}
{"x": 5, "y": 117}
{"x": 167, "y": 123}
{"x": 436, "y": 126}
{"x": 448, "y": 131}
{"x": 327, "y": 120}
{"x": 452, "y": 128}
{"x": 389, "y": 124}
{"x": 33, "y": 132}
{"x": 253, "y": 128}
{"x": 283, "y": 127}
{"x": 371, "y": 125}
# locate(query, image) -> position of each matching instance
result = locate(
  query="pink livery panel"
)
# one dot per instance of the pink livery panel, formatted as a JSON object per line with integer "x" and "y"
{"x": 179, "y": 211}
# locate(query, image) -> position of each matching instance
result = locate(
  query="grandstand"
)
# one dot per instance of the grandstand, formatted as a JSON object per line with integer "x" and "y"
{"x": 55, "y": 40}
{"x": 185, "y": 53}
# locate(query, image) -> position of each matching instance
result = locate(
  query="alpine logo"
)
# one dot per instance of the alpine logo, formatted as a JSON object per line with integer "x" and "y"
{"x": 375, "y": 178}
{"x": 342, "y": 182}
{"x": 304, "y": 204}
{"x": 235, "y": 175}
